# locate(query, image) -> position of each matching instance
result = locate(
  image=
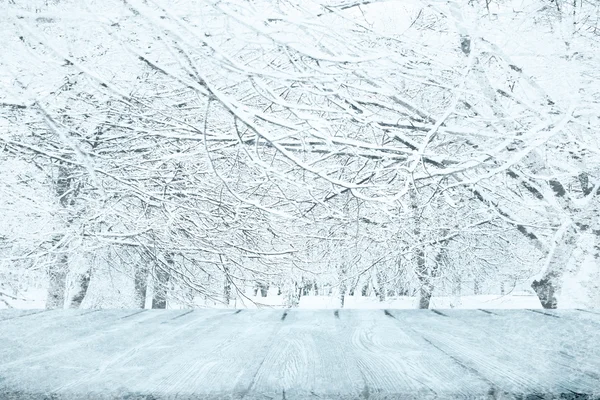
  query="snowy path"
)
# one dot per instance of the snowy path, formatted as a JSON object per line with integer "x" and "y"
{"x": 299, "y": 354}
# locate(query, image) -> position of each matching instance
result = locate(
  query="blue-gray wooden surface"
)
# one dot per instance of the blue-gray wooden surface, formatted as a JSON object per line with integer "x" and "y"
{"x": 299, "y": 354}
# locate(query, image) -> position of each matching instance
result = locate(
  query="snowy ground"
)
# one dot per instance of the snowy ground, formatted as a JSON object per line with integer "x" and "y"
{"x": 512, "y": 301}
{"x": 36, "y": 300}
{"x": 26, "y": 300}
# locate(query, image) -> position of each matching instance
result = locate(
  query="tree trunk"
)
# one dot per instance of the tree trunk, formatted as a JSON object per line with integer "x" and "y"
{"x": 476, "y": 287}
{"x": 548, "y": 286}
{"x": 381, "y": 284}
{"x": 353, "y": 288}
{"x": 83, "y": 284}
{"x": 423, "y": 273}
{"x": 299, "y": 291}
{"x": 457, "y": 287}
{"x": 57, "y": 272}
{"x": 305, "y": 287}
{"x": 426, "y": 289}
{"x": 159, "y": 299}
{"x": 424, "y": 297}
{"x": 293, "y": 295}
{"x": 343, "y": 286}
{"x": 264, "y": 289}
{"x": 162, "y": 277}
{"x": 365, "y": 290}
{"x": 546, "y": 289}
{"x": 141, "y": 286}
{"x": 57, "y": 275}
{"x": 226, "y": 287}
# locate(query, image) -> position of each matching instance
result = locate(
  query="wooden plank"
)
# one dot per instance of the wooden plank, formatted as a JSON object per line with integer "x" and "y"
{"x": 545, "y": 332}
{"x": 502, "y": 359}
{"x": 10, "y": 314}
{"x": 395, "y": 360}
{"x": 68, "y": 353}
{"x": 309, "y": 359}
{"x": 299, "y": 354}
{"x": 225, "y": 363}
{"x": 24, "y": 337}
{"x": 592, "y": 317}
{"x": 192, "y": 355}
{"x": 48, "y": 333}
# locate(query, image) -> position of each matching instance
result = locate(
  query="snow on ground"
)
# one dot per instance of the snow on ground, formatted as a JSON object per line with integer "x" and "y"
{"x": 36, "y": 299}
{"x": 31, "y": 299}
{"x": 511, "y": 301}
{"x": 487, "y": 301}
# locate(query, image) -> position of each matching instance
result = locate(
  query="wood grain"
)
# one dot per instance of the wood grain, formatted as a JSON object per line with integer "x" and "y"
{"x": 299, "y": 354}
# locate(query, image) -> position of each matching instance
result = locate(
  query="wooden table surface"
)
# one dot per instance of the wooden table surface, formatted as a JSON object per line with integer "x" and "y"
{"x": 299, "y": 354}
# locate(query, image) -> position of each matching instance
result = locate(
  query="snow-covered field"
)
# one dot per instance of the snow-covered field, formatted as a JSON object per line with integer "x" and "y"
{"x": 26, "y": 300}
{"x": 511, "y": 301}
{"x": 36, "y": 300}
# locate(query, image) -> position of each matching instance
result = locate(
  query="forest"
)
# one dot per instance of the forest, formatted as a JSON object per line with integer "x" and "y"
{"x": 254, "y": 153}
